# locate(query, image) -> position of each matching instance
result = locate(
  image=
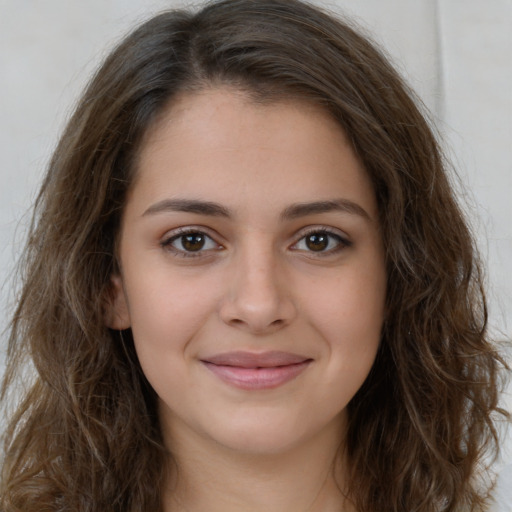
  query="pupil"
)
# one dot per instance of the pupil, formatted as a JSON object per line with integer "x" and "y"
{"x": 317, "y": 241}
{"x": 193, "y": 241}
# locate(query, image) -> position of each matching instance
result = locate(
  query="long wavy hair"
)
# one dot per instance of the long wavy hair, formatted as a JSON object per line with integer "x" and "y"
{"x": 85, "y": 437}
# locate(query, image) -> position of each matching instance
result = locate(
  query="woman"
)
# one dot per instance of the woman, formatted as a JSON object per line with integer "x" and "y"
{"x": 241, "y": 291}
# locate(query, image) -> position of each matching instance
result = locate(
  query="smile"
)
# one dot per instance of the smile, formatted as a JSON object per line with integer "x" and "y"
{"x": 250, "y": 371}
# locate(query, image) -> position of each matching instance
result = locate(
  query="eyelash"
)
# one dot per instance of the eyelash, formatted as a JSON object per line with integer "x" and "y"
{"x": 182, "y": 232}
{"x": 340, "y": 241}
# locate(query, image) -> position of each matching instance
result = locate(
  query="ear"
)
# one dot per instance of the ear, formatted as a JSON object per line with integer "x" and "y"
{"x": 117, "y": 315}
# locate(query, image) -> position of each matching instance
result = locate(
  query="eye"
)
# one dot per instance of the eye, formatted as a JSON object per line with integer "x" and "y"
{"x": 190, "y": 243}
{"x": 321, "y": 241}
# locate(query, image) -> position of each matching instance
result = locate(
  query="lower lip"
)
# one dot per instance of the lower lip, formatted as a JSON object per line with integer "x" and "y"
{"x": 257, "y": 378}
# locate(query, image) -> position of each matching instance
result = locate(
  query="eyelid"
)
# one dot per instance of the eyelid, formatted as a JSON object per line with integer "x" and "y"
{"x": 342, "y": 238}
{"x": 172, "y": 235}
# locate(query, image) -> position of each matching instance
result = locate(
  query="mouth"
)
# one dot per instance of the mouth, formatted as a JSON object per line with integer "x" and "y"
{"x": 252, "y": 371}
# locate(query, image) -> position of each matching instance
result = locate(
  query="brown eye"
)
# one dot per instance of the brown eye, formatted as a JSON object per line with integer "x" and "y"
{"x": 317, "y": 241}
{"x": 321, "y": 242}
{"x": 193, "y": 242}
{"x": 190, "y": 243}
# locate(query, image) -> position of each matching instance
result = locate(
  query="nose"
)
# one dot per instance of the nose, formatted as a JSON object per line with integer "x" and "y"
{"x": 258, "y": 296}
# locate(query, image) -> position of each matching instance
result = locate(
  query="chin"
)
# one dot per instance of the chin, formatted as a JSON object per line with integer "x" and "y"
{"x": 259, "y": 442}
{"x": 264, "y": 435}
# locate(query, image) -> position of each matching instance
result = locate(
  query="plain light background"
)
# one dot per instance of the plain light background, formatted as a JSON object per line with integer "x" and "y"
{"x": 457, "y": 54}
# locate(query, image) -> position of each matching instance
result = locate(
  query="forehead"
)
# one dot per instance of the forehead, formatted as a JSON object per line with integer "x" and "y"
{"x": 220, "y": 144}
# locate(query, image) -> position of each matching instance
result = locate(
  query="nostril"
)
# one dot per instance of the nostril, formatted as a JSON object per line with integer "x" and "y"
{"x": 256, "y": 312}
{"x": 257, "y": 326}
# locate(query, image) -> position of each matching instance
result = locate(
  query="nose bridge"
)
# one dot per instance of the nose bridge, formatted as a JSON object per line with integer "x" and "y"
{"x": 257, "y": 297}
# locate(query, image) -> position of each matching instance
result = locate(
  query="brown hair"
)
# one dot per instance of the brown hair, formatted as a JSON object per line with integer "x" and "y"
{"x": 421, "y": 423}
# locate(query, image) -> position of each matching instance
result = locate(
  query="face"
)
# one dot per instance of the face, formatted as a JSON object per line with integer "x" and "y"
{"x": 252, "y": 271}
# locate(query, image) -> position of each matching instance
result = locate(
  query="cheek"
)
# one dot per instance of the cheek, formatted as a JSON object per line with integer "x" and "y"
{"x": 166, "y": 313}
{"x": 171, "y": 301}
{"x": 350, "y": 305}
{"x": 348, "y": 312}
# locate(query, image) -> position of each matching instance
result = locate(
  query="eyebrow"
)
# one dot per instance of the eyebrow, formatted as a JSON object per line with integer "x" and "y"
{"x": 291, "y": 212}
{"x": 188, "y": 206}
{"x": 298, "y": 210}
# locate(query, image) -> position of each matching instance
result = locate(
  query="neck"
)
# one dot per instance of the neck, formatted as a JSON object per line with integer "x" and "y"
{"x": 208, "y": 476}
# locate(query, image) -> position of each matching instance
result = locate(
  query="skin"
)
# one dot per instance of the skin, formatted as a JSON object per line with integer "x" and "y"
{"x": 260, "y": 282}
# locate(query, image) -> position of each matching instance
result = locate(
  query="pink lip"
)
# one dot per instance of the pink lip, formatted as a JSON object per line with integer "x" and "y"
{"x": 252, "y": 371}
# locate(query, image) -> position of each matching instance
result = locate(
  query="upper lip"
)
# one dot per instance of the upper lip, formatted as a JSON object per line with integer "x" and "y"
{"x": 242, "y": 359}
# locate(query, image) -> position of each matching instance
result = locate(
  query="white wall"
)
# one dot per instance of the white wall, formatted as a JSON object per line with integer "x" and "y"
{"x": 456, "y": 53}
